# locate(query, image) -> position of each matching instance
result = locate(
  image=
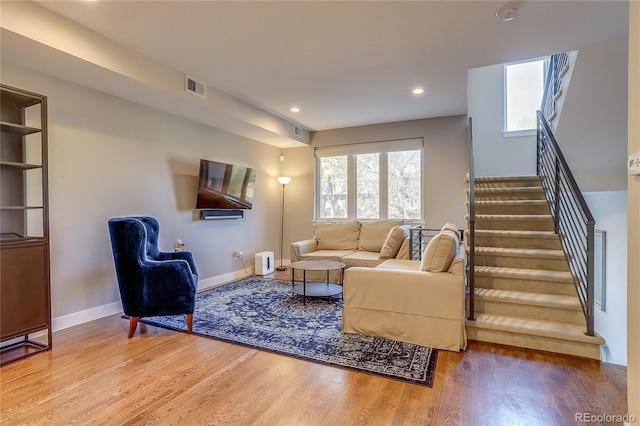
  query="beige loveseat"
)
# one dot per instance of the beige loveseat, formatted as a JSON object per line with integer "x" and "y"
{"x": 355, "y": 243}
{"x": 421, "y": 302}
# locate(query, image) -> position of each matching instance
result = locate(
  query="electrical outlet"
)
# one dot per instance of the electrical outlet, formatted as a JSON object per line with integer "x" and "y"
{"x": 237, "y": 255}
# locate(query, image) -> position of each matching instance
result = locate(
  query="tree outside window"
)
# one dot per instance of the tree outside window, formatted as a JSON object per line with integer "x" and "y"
{"x": 378, "y": 185}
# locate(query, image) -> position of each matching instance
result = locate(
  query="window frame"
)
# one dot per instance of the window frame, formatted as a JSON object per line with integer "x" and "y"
{"x": 528, "y": 132}
{"x": 351, "y": 151}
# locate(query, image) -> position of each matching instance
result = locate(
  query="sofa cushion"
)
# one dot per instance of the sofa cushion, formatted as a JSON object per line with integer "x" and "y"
{"x": 337, "y": 235}
{"x": 336, "y": 255}
{"x": 368, "y": 259}
{"x": 440, "y": 252}
{"x": 400, "y": 264}
{"x": 405, "y": 250}
{"x": 373, "y": 234}
{"x": 393, "y": 242}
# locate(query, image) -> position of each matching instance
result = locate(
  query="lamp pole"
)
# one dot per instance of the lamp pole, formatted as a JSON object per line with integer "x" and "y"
{"x": 284, "y": 180}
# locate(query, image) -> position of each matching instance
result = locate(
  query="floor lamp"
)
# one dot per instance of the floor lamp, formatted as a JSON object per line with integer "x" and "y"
{"x": 284, "y": 180}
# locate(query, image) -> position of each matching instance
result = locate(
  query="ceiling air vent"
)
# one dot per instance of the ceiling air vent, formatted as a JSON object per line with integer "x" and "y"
{"x": 297, "y": 131}
{"x": 196, "y": 87}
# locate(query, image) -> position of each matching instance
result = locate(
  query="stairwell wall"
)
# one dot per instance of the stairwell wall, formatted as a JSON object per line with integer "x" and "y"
{"x": 610, "y": 210}
{"x": 494, "y": 153}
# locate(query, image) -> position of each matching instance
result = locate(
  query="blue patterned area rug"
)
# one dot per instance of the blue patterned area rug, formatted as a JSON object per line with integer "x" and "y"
{"x": 263, "y": 313}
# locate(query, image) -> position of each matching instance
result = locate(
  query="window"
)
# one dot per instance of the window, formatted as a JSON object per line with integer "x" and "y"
{"x": 333, "y": 187}
{"x": 524, "y": 83}
{"x": 370, "y": 181}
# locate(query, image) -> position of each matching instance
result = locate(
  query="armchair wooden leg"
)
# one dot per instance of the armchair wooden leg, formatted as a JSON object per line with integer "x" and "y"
{"x": 133, "y": 324}
{"x": 189, "y": 323}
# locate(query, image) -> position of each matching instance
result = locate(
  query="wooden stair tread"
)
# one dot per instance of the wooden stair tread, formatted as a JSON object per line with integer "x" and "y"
{"x": 551, "y": 329}
{"x": 531, "y": 274}
{"x": 528, "y": 298}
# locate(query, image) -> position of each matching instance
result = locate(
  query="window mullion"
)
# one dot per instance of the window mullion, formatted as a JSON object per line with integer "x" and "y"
{"x": 351, "y": 187}
{"x": 383, "y": 186}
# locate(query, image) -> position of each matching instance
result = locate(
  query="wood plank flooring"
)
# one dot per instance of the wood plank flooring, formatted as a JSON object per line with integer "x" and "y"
{"x": 95, "y": 375}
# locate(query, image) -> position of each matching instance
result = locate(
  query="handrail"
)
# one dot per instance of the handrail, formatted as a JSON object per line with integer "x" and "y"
{"x": 553, "y": 84}
{"x": 573, "y": 220}
{"x": 472, "y": 227}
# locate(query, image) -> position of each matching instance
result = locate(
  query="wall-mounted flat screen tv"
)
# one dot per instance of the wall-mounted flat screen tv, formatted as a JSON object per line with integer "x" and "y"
{"x": 225, "y": 186}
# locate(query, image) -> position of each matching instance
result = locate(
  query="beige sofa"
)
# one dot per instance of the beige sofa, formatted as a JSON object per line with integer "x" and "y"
{"x": 355, "y": 243}
{"x": 421, "y": 302}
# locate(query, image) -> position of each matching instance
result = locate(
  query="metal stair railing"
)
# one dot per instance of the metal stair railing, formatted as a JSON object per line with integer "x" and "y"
{"x": 573, "y": 220}
{"x": 558, "y": 65}
{"x": 471, "y": 316}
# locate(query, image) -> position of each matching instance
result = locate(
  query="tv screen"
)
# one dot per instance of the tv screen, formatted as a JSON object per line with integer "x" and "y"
{"x": 225, "y": 186}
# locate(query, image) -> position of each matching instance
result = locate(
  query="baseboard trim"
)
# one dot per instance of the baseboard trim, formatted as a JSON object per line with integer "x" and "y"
{"x": 91, "y": 314}
{"x": 80, "y": 317}
{"x": 224, "y": 279}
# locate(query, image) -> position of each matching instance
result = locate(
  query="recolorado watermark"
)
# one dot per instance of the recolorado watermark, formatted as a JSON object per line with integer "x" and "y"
{"x": 604, "y": 418}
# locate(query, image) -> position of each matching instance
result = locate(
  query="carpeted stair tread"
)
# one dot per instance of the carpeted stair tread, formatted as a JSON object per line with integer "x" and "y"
{"x": 552, "y": 329}
{"x": 507, "y": 189}
{"x": 523, "y": 274}
{"x": 521, "y": 252}
{"x": 527, "y": 298}
{"x": 517, "y": 217}
{"x": 506, "y": 180}
{"x": 517, "y": 233}
{"x": 513, "y": 202}
{"x": 511, "y": 206}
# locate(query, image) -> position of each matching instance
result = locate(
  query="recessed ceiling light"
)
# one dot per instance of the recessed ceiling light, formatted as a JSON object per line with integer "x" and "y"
{"x": 417, "y": 91}
{"x": 506, "y": 14}
{"x": 294, "y": 109}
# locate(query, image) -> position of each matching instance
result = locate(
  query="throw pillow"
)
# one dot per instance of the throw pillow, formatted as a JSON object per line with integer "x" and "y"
{"x": 373, "y": 234}
{"x": 449, "y": 227}
{"x": 393, "y": 242}
{"x": 439, "y": 252}
{"x": 337, "y": 235}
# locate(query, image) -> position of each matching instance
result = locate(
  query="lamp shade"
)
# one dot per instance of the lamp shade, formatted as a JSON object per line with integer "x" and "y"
{"x": 284, "y": 180}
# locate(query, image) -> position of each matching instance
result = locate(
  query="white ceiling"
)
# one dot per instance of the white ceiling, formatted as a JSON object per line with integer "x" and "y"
{"x": 345, "y": 63}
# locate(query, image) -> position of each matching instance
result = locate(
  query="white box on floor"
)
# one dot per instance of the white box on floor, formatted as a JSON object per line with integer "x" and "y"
{"x": 264, "y": 263}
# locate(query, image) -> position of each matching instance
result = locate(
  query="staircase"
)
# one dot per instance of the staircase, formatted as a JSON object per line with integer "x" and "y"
{"x": 524, "y": 292}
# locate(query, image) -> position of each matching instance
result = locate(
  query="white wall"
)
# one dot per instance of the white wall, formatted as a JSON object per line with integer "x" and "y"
{"x": 609, "y": 209}
{"x": 495, "y": 154}
{"x": 592, "y": 130}
{"x": 109, "y": 157}
{"x": 633, "y": 260}
{"x": 445, "y": 159}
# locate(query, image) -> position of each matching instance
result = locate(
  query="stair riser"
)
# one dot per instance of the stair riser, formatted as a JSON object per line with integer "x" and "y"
{"x": 542, "y": 313}
{"x": 532, "y": 286}
{"x": 511, "y": 209}
{"x": 515, "y": 225}
{"x": 516, "y": 242}
{"x": 534, "y": 342}
{"x": 521, "y": 262}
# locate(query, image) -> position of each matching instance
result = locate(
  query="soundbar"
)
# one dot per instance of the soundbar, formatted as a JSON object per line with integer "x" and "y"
{"x": 221, "y": 214}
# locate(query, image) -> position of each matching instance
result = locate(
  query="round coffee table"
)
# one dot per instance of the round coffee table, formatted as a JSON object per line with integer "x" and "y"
{"x": 316, "y": 289}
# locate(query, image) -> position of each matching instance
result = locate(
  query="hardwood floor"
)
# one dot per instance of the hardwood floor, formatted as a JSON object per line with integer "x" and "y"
{"x": 95, "y": 375}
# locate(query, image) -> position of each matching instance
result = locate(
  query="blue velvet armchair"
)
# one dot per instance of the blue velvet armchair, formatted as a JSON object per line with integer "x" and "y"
{"x": 151, "y": 282}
